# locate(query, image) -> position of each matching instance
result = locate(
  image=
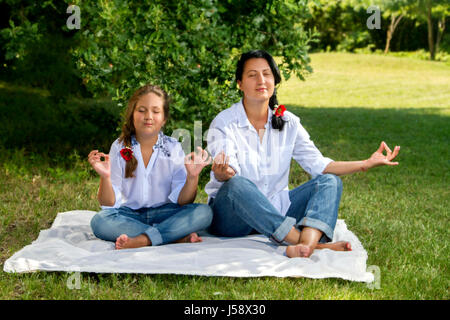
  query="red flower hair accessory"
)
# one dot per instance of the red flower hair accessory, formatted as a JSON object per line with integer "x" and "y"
{"x": 279, "y": 111}
{"x": 126, "y": 153}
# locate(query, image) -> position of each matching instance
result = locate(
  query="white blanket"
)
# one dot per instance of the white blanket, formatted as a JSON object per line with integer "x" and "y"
{"x": 69, "y": 245}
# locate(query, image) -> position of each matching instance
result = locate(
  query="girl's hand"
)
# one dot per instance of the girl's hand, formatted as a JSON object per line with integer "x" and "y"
{"x": 195, "y": 162}
{"x": 379, "y": 159}
{"x": 222, "y": 171}
{"x": 103, "y": 168}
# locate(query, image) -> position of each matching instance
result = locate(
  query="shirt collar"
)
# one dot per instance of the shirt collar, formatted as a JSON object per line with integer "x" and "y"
{"x": 161, "y": 143}
{"x": 242, "y": 115}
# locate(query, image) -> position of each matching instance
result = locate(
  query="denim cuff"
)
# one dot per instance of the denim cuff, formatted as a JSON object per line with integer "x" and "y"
{"x": 282, "y": 231}
{"x": 317, "y": 224}
{"x": 154, "y": 236}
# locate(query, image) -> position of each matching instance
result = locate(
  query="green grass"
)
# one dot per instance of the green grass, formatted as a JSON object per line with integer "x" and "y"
{"x": 349, "y": 105}
{"x": 343, "y": 80}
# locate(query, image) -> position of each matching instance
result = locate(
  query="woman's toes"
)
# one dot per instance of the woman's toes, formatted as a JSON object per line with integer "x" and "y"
{"x": 348, "y": 246}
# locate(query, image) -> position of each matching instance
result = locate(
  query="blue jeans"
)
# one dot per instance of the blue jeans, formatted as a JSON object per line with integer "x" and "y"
{"x": 240, "y": 209}
{"x": 164, "y": 224}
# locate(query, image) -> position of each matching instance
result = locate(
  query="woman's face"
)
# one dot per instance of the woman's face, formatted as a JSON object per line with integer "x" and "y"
{"x": 148, "y": 115}
{"x": 257, "y": 81}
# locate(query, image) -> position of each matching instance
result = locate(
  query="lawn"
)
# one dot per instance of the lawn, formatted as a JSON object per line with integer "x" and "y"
{"x": 348, "y": 105}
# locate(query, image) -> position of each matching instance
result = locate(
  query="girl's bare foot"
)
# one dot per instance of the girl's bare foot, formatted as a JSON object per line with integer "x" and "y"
{"x": 190, "y": 238}
{"x": 125, "y": 242}
{"x": 304, "y": 251}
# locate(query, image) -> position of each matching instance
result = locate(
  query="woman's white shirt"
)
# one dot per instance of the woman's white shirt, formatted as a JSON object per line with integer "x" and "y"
{"x": 158, "y": 183}
{"x": 265, "y": 163}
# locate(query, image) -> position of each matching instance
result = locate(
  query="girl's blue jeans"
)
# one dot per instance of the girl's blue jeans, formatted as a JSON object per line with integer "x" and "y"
{"x": 240, "y": 209}
{"x": 164, "y": 224}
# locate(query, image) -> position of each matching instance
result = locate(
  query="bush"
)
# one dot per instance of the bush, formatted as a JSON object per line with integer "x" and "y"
{"x": 189, "y": 48}
{"x": 34, "y": 122}
{"x": 36, "y": 51}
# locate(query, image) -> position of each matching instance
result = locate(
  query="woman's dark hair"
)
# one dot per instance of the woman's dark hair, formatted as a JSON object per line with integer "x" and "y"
{"x": 277, "y": 122}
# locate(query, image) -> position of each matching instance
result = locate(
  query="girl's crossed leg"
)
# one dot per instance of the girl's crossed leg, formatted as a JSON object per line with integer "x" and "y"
{"x": 151, "y": 226}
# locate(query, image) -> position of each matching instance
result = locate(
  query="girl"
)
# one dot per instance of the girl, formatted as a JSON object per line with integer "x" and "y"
{"x": 147, "y": 185}
{"x": 252, "y": 144}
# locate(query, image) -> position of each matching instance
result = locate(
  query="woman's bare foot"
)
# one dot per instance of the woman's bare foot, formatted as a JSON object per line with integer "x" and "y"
{"x": 304, "y": 251}
{"x": 125, "y": 242}
{"x": 336, "y": 246}
{"x": 299, "y": 251}
{"x": 190, "y": 238}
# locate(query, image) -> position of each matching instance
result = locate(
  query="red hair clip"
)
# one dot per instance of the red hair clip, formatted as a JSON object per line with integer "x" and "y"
{"x": 279, "y": 111}
{"x": 126, "y": 153}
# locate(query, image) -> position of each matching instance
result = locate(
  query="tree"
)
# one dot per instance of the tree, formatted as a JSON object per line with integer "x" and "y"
{"x": 189, "y": 48}
{"x": 429, "y": 9}
{"x": 394, "y": 10}
{"x": 441, "y": 11}
{"x": 35, "y": 49}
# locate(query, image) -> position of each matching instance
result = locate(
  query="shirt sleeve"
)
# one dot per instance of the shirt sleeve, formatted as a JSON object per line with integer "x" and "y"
{"x": 221, "y": 139}
{"x": 117, "y": 174}
{"x": 178, "y": 174}
{"x": 306, "y": 153}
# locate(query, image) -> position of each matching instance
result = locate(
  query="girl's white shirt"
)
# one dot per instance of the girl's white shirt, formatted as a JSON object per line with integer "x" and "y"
{"x": 265, "y": 163}
{"x": 159, "y": 183}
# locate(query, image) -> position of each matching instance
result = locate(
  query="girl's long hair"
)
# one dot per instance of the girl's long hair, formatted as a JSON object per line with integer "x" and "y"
{"x": 128, "y": 128}
{"x": 277, "y": 122}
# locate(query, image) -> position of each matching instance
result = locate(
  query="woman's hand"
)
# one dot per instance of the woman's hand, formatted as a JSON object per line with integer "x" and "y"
{"x": 222, "y": 171}
{"x": 379, "y": 159}
{"x": 195, "y": 162}
{"x": 103, "y": 168}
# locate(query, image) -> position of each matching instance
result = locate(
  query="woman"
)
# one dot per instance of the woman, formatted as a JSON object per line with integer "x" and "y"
{"x": 252, "y": 144}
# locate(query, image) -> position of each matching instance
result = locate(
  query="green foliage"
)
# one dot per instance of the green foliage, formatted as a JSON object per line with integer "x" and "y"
{"x": 36, "y": 123}
{"x": 189, "y": 48}
{"x": 342, "y": 24}
{"x": 36, "y": 50}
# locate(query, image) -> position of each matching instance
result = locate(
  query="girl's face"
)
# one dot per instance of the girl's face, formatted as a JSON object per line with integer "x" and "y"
{"x": 148, "y": 115}
{"x": 257, "y": 81}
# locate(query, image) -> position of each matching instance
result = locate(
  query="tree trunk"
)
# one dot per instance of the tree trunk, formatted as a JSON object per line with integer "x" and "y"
{"x": 394, "y": 22}
{"x": 440, "y": 32}
{"x": 430, "y": 30}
